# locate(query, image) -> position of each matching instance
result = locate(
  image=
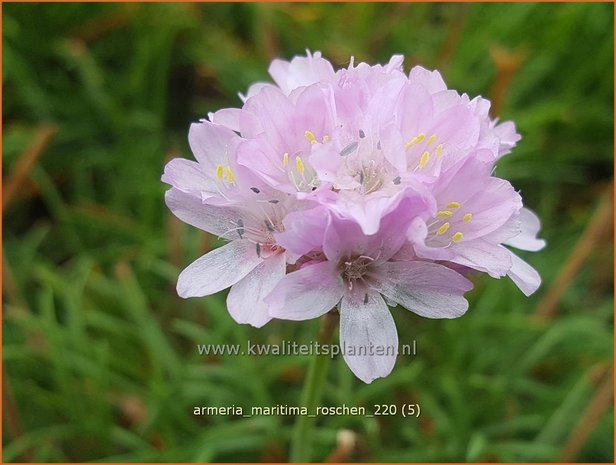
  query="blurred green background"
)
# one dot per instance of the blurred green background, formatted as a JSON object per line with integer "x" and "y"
{"x": 100, "y": 359}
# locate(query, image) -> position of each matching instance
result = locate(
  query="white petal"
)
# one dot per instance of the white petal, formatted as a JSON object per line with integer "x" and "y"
{"x": 527, "y": 239}
{"x": 368, "y": 336}
{"x": 482, "y": 256}
{"x": 428, "y": 289}
{"x": 220, "y": 221}
{"x": 524, "y": 276}
{"x": 187, "y": 176}
{"x": 245, "y": 300}
{"x": 307, "y": 293}
{"x": 218, "y": 269}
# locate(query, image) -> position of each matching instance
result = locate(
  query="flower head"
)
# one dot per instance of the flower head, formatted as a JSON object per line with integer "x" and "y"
{"x": 352, "y": 189}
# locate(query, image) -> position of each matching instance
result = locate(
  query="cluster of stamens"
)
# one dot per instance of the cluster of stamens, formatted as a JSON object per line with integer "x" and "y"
{"x": 426, "y": 155}
{"x": 441, "y": 225}
{"x": 354, "y": 269}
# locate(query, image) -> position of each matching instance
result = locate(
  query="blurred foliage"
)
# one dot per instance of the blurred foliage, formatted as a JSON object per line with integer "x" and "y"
{"x": 99, "y": 353}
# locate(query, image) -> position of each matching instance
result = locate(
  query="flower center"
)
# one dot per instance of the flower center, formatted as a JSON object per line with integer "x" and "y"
{"x": 355, "y": 269}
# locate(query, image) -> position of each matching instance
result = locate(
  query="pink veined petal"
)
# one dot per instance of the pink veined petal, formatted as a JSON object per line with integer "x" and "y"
{"x": 221, "y": 221}
{"x": 253, "y": 90}
{"x": 367, "y": 329}
{"x": 218, "y": 269}
{"x": 508, "y": 137}
{"x": 245, "y": 300}
{"x": 417, "y": 233}
{"x": 523, "y": 275}
{"x": 428, "y": 289}
{"x": 307, "y": 293}
{"x": 303, "y": 231}
{"x": 211, "y": 144}
{"x": 301, "y": 71}
{"x": 228, "y": 117}
{"x": 483, "y": 256}
{"x": 188, "y": 176}
{"x": 432, "y": 81}
{"x": 527, "y": 239}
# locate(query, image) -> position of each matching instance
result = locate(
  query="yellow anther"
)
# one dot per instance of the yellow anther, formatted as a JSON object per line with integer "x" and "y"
{"x": 299, "y": 164}
{"x": 457, "y": 237}
{"x": 443, "y": 229}
{"x": 326, "y": 139}
{"x": 285, "y": 159}
{"x": 425, "y": 158}
{"x": 310, "y": 136}
{"x": 453, "y": 205}
{"x": 431, "y": 140}
{"x": 414, "y": 141}
{"x": 445, "y": 214}
{"x": 467, "y": 217}
{"x": 230, "y": 177}
{"x": 220, "y": 172}
{"x": 439, "y": 150}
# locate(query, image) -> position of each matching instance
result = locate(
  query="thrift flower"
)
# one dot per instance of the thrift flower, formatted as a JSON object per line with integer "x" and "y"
{"x": 351, "y": 189}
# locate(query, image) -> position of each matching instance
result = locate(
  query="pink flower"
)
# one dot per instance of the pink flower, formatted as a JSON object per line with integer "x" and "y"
{"x": 356, "y": 189}
{"x": 359, "y": 274}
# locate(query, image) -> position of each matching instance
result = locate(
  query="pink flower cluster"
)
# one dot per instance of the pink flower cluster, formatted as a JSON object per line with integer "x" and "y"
{"x": 360, "y": 188}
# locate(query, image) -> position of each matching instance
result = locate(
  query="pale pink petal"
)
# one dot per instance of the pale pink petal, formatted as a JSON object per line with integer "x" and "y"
{"x": 431, "y": 80}
{"x": 188, "y": 176}
{"x": 218, "y": 269}
{"x": 483, "y": 256}
{"x": 368, "y": 336}
{"x": 245, "y": 300}
{"x": 221, "y": 221}
{"x": 211, "y": 144}
{"x": 301, "y": 71}
{"x": 529, "y": 228}
{"x": 428, "y": 289}
{"x": 307, "y": 293}
{"x": 524, "y": 276}
{"x": 303, "y": 231}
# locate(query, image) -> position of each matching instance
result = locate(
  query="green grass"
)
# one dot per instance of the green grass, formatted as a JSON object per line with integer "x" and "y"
{"x": 99, "y": 353}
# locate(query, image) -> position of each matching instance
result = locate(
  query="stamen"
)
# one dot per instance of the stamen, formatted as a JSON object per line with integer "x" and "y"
{"x": 269, "y": 226}
{"x": 362, "y": 134}
{"x": 439, "y": 150}
{"x": 443, "y": 229}
{"x": 230, "y": 177}
{"x": 425, "y": 159}
{"x": 457, "y": 237}
{"x": 220, "y": 172}
{"x": 299, "y": 164}
{"x": 467, "y": 217}
{"x": 258, "y": 250}
{"x": 240, "y": 228}
{"x": 397, "y": 180}
{"x": 255, "y": 190}
{"x": 349, "y": 149}
{"x": 453, "y": 205}
{"x": 310, "y": 136}
{"x": 274, "y": 201}
{"x": 326, "y": 139}
{"x": 445, "y": 214}
{"x": 366, "y": 299}
{"x": 414, "y": 141}
{"x": 285, "y": 159}
{"x": 431, "y": 140}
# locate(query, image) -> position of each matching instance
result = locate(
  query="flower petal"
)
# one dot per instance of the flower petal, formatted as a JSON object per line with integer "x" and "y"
{"x": 527, "y": 239}
{"x": 188, "y": 176}
{"x": 368, "y": 335}
{"x": 307, "y": 293}
{"x": 211, "y": 144}
{"x": 428, "y": 289}
{"x": 220, "y": 221}
{"x": 245, "y": 300}
{"x": 218, "y": 269}
{"x": 524, "y": 276}
{"x": 482, "y": 256}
